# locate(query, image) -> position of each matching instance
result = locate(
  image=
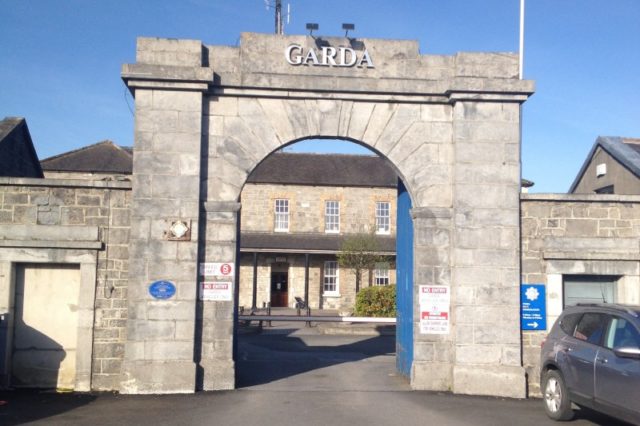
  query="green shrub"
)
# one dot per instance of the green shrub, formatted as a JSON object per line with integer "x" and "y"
{"x": 378, "y": 301}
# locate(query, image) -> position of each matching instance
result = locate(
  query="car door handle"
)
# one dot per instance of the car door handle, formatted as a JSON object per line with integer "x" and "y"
{"x": 567, "y": 349}
{"x": 602, "y": 360}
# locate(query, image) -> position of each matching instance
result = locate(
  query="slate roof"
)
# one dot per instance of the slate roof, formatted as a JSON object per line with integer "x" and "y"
{"x": 301, "y": 243}
{"x": 18, "y": 157}
{"x": 325, "y": 170}
{"x": 102, "y": 157}
{"x": 624, "y": 150}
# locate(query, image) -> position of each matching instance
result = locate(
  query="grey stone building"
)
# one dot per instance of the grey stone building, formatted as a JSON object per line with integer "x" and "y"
{"x": 206, "y": 116}
{"x": 611, "y": 167}
{"x": 137, "y": 255}
{"x": 297, "y": 209}
{"x": 583, "y": 248}
{"x": 64, "y": 244}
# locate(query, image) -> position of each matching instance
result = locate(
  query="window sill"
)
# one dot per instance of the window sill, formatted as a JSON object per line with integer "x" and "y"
{"x": 331, "y": 295}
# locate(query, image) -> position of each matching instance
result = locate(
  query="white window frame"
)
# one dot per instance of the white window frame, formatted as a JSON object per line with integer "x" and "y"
{"x": 332, "y": 217}
{"x": 281, "y": 215}
{"x": 331, "y": 277}
{"x": 381, "y": 275}
{"x": 383, "y": 218}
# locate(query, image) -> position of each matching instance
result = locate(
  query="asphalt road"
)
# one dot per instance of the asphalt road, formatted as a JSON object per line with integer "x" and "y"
{"x": 290, "y": 378}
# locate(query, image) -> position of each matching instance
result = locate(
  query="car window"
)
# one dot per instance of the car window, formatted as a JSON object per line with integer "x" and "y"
{"x": 591, "y": 328}
{"x": 568, "y": 323}
{"x": 622, "y": 334}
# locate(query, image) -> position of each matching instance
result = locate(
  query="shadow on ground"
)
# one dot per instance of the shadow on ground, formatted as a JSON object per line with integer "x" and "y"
{"x": 276, "y": 355}
{"x": 22, "y": 406}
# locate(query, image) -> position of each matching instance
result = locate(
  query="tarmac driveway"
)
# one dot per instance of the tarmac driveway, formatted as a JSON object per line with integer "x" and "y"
{"x": 290, "y": 378}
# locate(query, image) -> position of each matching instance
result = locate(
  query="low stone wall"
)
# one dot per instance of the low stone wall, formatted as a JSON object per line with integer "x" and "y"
{"x": 570, "y": 234}
{"x": 57, "y": 207}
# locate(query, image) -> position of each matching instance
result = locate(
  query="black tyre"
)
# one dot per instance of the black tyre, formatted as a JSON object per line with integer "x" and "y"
{"x": 556, "y": 399}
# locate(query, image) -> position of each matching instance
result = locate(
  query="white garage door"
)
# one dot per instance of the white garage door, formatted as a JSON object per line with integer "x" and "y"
{"x": 46, "y": 326}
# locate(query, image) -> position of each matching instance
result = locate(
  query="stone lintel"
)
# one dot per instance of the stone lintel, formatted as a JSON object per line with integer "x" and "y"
{"x": 488, "y": 97}
{"x": 89, "y": 245}
{"x": 48, "y": 233}
{"x": 65, "y": 183}
{"x": 166, "y": 85}
{"x": 167, "y": 77}
{"x": 258, "y": 92}
{"x": 166, "y": 73}
{"x": 380, "y": 90}
{"x": 582, "y": 255}
{"x": 577, "y": 198}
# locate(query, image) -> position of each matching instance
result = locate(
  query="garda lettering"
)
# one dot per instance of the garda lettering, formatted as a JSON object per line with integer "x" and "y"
{"x": 327, "y": 57}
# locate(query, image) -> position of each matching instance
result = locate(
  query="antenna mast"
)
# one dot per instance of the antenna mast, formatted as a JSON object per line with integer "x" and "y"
{"x": 279, "y": 27}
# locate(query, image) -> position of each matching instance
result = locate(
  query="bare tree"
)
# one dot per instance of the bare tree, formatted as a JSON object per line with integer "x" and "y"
{"x": 360, "y": 252}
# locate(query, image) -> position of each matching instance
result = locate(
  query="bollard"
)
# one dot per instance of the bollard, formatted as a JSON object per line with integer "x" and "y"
{"x": 269, "y": 313}
{"x": 308, "y": 323}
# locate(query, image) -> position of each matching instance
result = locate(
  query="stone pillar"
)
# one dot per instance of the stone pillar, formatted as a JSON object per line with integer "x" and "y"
{"x": 486, "y": 249}
{"x": 216, "y": 318}
{"x": 433, "y": 354}
{"x": 159, "y": 352}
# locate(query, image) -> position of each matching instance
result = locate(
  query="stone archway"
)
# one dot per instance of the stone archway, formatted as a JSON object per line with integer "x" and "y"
{"x": 207, "y": 115}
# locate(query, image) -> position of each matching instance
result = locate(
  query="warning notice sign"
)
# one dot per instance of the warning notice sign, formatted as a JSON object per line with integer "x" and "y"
{"x": 216, "y": 290}
{"x": 217, "y": 269}
{"x": 435, "y": 306}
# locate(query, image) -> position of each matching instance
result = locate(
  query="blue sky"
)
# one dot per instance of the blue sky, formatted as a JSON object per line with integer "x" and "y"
{"x": 60, "y": 61}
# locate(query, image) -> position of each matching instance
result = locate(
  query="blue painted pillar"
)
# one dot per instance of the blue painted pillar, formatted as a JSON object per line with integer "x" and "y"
{"x": 404, "y": 282}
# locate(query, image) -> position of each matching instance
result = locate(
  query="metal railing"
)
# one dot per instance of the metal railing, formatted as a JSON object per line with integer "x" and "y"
{"x": 317, "y": 318}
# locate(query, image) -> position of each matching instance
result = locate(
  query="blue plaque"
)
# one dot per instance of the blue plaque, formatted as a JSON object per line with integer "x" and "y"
{"x": 533, "y": 310}
{"x": 162, "y": 289}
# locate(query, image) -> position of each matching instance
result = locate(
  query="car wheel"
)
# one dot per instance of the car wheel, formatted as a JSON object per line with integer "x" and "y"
{"x": 556, "y": 399}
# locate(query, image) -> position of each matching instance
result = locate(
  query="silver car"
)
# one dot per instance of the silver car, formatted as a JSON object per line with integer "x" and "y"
{"x": 591, "y": 358}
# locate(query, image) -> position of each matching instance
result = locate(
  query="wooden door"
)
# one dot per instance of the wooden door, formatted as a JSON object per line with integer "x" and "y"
{"x": 279, "y": 289}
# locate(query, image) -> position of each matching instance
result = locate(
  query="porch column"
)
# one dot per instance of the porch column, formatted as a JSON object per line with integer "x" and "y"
{"x": 254, "y": 295}
{"x": 306, "y": 278}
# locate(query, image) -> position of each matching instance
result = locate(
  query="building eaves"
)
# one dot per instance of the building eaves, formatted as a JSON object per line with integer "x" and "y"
{"x": 300, "y": 243}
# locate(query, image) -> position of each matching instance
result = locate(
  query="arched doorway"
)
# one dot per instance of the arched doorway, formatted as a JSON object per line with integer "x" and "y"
{"x": 300, "y": 206}
{"x": 298, "y": 210}
{"x": 450, "y": 127}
